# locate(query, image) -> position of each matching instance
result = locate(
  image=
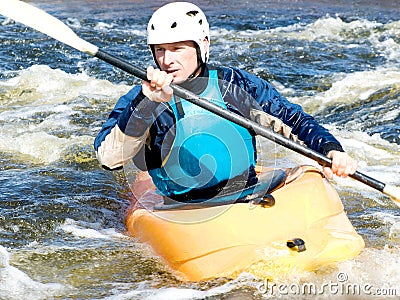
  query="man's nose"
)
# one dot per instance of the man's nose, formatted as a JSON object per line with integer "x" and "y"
{"x": 168, "y": 57}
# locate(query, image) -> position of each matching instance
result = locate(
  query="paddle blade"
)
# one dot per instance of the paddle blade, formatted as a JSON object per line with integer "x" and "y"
{"x": 393, "y": 192}
{"x": 38, "y": 19}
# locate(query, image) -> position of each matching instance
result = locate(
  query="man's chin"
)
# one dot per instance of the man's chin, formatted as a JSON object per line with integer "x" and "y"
{"x": 178, "y": 80}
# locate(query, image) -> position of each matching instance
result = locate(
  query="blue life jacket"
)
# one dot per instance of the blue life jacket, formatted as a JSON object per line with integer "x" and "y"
{"x": 207, "y": 149}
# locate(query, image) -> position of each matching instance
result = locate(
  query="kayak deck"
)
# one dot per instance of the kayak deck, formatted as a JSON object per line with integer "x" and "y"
{"x": 225, "y": 240}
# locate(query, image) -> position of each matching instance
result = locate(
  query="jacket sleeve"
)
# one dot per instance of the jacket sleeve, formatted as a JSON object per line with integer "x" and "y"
{"x": 274, "y": 111}
{"x": 126, "y": 129}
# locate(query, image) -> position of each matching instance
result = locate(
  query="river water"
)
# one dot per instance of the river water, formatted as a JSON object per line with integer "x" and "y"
{"x": 62, "y": 231}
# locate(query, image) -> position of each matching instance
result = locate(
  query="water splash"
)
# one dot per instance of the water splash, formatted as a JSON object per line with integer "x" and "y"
{"x": 45, "y": 112}
{"x": 15, "y": 284}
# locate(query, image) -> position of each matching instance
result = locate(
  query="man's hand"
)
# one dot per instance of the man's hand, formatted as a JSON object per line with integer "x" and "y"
{"x": 342, "y": 165}
{"x": 158, "y": 87}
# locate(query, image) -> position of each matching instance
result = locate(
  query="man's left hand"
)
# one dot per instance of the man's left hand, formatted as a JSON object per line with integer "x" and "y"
{"x": 342, "y": 165}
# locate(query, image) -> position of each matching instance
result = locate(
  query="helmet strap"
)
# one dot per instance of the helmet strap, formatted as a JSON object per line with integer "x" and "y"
{"x": 199, "y": 62}
{"x": 195, "y": 71}
{"x": 154, "y": 56}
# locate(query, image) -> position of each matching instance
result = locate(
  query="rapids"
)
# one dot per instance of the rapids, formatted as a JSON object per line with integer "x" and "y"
{"x": 62, "y": 231}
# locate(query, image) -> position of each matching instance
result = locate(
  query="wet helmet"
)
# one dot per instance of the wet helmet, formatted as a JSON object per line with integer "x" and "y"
{"x": 178, "y": 22}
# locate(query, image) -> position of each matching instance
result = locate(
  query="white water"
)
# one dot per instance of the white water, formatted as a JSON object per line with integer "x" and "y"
{"x": 17, "y": 285}
{"x": 86, "y": 230}
{"x": 351, "y": 88}
{"x": 37, "y": 112}
{"x": 36, "y": 142}
{"x": 39, "y": 107}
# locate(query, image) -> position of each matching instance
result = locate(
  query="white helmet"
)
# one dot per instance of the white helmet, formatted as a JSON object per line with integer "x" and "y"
{"x": 178, "y": 22}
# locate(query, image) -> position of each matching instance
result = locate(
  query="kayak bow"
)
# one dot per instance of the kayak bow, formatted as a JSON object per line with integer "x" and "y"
{"x": 304, "y": 230}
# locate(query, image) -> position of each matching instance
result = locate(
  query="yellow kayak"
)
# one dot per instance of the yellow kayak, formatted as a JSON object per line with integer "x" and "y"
{"x": 302, "y": 227}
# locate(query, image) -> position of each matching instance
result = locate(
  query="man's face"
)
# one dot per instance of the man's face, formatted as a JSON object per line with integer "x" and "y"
{"x": 178, "y": 59}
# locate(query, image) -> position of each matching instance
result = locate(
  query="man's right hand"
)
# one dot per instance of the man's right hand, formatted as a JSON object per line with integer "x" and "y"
{"x": 157, "y": 88}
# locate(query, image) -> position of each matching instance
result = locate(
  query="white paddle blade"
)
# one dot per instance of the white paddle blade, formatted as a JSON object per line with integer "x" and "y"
{"x": 393, "y": 192}
{"x": 40, "y": 20}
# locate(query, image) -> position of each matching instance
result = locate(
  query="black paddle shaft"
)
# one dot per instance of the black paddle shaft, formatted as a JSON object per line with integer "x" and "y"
{"x": 235, "y": 118}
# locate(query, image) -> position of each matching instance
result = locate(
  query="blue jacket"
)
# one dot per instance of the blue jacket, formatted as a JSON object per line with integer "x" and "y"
{"x": 140, "y": 129}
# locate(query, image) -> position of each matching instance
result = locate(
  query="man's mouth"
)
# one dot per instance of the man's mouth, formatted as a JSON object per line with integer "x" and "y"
{"x": 171, "y": 71}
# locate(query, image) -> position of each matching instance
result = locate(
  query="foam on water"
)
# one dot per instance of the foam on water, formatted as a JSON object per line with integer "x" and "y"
{"x": 39, "y": 84}
{"x": 39, "y": 147}
{"x": 186, "y": 293}
{"x": 39, "y": 107}
{"x": 329, "y": 29}
{"x": 350, "y": 88}
{"x": 89, "y": 230}
{"x": 326, "y": 28}
{"x": 45, "y": 112}
{"x": 378, "y": 267}
{"x": 374, "y": 272}
{"x": 369, "y": 148}
{"x": 16, "y": 285}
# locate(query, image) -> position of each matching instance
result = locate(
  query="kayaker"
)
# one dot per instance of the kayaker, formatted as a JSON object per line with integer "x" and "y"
{"x": 189, "y": 152}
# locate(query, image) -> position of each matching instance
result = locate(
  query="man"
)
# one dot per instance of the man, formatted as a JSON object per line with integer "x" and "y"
{"x": 189, "y": 152}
